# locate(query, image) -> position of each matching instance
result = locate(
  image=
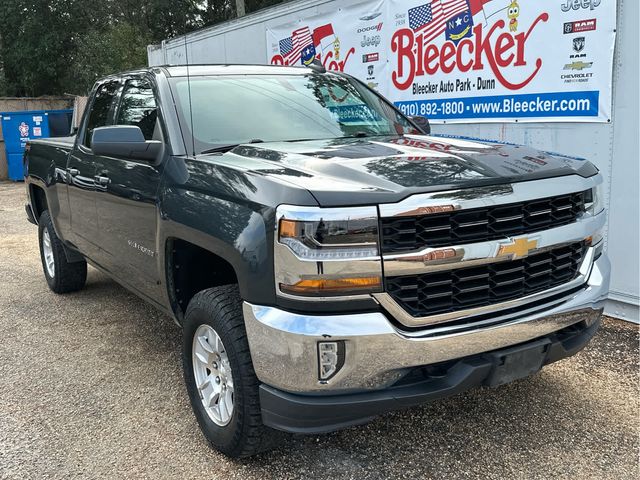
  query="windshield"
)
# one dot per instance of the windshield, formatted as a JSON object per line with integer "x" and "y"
{"x": 229, "y": 109}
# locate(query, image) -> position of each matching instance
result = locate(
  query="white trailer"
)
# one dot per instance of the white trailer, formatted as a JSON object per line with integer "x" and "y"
{"x": 612, "y": 146}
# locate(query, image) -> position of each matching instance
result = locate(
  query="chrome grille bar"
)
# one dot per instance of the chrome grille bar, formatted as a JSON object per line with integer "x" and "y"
{"x": 496, "y": 248}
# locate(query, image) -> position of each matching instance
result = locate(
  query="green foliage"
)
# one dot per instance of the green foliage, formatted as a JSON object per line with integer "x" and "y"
{"x": 253, "y": 5}
{"x": 31, "y": 51}
{"x": 51, "y": 47}
{"x": 102, "y": 52}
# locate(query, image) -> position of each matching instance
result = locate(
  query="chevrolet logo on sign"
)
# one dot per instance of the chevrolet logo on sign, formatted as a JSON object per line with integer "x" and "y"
{"x": 518, "y": 248}
{"x": 580, "y": 65}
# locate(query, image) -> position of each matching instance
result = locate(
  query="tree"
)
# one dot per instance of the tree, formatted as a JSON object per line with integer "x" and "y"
{"x": 32, "y": 50}
{"x": 99, "y": 53}
{"x": 50, "y": 47}
{"x": 253, "y": 5}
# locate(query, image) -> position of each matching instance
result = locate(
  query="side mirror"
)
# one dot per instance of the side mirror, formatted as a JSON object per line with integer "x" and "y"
{"x": 422, "y": 123}
{"x": 124, "y": 141}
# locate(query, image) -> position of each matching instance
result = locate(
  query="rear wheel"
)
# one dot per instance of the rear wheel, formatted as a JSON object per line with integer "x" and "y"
{"x": 219, "y": 375}
{"x": 62, "y": 276}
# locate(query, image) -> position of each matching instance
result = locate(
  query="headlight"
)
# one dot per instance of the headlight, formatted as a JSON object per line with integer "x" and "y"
{"x": 322, "y": 252}
{"x": 594, "y": 200}
{"x": 594, "y": 204}
{"x": 326, "y": 239}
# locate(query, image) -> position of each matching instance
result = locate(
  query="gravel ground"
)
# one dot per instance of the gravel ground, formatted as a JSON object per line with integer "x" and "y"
{"x": 91, "y": 386}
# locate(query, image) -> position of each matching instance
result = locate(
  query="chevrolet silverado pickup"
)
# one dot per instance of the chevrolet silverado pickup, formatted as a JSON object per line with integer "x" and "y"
{"x": 326, "y": 257}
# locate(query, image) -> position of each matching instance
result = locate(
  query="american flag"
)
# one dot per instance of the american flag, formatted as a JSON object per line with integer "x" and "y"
{"x": 286, "y": 45}
{"x": 291, "y": 47}
{"x": 430, "y": 19}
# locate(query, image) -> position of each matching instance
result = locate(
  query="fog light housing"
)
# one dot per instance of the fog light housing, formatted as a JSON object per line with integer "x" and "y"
{"x": 330, "y": 359}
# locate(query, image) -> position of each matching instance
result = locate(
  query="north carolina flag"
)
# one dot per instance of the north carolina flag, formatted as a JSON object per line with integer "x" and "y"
{"x": 430, "y": 19}
{"x": 292, "y": 48}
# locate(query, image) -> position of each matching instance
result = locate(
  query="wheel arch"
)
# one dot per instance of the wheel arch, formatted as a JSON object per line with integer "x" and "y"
{"x": 38, "y": 199}
{"x": 190, "y": 268}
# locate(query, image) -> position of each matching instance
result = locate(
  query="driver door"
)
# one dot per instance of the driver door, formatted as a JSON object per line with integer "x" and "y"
{"x": 127, "y": 195}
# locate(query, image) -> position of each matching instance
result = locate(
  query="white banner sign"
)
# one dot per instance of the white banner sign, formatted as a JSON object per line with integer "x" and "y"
{"x": 350, "y": 40}
{"x": 468, "y": 60}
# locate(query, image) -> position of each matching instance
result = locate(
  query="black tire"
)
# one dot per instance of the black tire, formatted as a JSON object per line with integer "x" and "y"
{"x": 67, "y": 276}
{"x": 244, "y": 435}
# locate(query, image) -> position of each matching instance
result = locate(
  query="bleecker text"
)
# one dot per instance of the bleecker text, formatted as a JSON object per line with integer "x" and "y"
{"x": 415, "y": 59}
{"x": 327, "y": 60}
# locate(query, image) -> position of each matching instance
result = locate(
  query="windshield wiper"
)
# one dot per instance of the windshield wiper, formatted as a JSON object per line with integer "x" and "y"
{"x": 360, "y": 134}
{"x": 226, "y": 148}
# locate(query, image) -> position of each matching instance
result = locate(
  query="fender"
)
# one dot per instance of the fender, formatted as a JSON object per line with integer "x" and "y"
{"x": 46, "y": 165}
{"x": 70, "y": 252}
{"x": 229, "y": 212}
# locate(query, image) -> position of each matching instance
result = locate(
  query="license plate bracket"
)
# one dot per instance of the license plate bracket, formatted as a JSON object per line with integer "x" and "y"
{"x": 517, "y": 362}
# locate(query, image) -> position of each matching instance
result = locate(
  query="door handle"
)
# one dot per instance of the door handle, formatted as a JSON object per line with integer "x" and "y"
{"x": 102, "y": 180}
{"x": 73, "y": 171}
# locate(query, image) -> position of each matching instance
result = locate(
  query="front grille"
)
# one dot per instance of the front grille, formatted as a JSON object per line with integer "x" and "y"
{"x": 469, "y": 287}
{"x": 401, "y": 234}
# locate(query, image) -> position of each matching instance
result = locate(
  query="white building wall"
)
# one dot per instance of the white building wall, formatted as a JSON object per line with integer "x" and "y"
{"x": 613, "y": 147}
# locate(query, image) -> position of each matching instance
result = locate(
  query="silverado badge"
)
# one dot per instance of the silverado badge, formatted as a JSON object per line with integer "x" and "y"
{"x": 520, "y": 247}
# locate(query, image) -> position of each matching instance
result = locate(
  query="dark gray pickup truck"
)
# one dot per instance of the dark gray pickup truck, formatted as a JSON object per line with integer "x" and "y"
{"x": 327, "y": 259}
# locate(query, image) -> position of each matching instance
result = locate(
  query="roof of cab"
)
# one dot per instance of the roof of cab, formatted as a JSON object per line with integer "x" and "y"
{"x": 200, "y": 70}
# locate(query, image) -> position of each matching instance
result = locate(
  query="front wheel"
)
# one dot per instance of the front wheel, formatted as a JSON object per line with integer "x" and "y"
{"x": 62, "y": 276}
{"x": 219, "y": 375}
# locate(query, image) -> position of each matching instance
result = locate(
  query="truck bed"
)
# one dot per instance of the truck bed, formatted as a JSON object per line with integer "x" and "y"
{"x": 47, "y": 157}
{"x": 64, "y": 142}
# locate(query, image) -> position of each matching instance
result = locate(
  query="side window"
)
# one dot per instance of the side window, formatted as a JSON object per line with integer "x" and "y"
{"x": 99, "y": 114}
{"x": 138, "y": 107}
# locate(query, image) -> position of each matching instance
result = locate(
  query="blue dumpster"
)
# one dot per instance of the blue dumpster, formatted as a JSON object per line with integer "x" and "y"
{"x": 20, "y": 127}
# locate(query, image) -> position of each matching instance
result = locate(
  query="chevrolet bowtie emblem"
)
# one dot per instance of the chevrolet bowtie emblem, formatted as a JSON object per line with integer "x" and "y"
{"x": 520, "y": 247}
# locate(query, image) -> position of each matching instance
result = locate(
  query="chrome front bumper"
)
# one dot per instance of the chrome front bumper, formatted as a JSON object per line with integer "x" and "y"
{"x": 284, "y": 345}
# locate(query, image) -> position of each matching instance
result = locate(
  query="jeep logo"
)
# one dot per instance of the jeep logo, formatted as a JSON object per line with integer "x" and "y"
{"x": 578, "y": 4}
{"x": 370, "y": 41}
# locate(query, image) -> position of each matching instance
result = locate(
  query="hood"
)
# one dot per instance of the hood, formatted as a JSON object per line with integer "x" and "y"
{"x": 387, "y": 169}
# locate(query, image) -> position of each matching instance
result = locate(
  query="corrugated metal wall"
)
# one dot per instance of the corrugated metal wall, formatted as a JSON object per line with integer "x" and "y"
{"x": 612, "y": 147}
